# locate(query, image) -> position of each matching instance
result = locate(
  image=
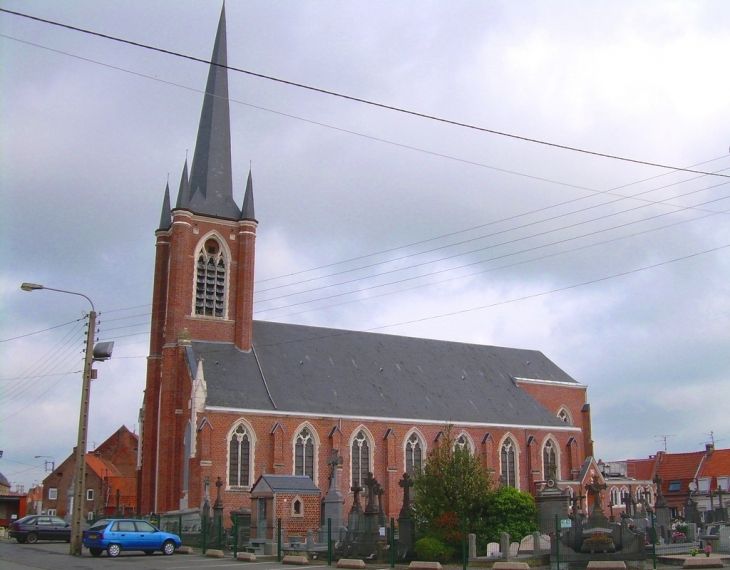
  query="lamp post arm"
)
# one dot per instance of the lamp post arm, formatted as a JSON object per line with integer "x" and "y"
{"x": 72, "y": 293}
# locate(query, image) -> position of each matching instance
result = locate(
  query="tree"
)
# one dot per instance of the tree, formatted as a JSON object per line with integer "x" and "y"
{"x": 453, "y": 484}
{"x": 512, "y": 511}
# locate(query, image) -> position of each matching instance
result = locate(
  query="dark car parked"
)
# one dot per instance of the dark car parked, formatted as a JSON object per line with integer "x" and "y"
{"x": 128, "y": 534}
{"x": 39, "y": 527}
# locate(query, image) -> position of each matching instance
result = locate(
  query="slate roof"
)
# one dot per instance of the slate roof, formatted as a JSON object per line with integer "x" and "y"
{"x": 300, "y": 484}
{"x": 319, "y": 371}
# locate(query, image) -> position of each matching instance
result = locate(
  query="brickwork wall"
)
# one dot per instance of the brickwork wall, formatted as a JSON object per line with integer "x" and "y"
{"x": 388, "y": 458}
{"x": 293, "y": 525}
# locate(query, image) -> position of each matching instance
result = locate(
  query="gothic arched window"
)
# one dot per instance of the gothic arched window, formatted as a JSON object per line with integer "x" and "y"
{"x": 210, "y": 280}
{"x": 239, "y": 458}
{"x": 615, "y": 497}
{"x": 360, "y": 458}
{"x": 414, "y": 454}
{"x": 509, "y": 470}
{"x": 549, "y": 460}
{"x": 564, "y": 415}
{"x": 304, "y": 454}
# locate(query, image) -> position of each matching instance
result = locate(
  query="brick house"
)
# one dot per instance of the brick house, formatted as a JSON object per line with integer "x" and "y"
{"x": 230, "y": 397}
{"x": 111, "y": 473}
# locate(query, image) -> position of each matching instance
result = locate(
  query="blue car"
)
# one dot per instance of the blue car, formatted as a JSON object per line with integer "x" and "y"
{"x": 128, "y": 534}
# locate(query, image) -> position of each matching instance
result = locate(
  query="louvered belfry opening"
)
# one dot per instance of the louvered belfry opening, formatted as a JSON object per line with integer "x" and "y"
{"x": 211, "y": 281}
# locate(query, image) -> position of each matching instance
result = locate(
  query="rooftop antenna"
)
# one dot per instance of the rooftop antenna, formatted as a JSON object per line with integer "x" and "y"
{"x": 712, "y": 439}
{"x": 664, "y": 437}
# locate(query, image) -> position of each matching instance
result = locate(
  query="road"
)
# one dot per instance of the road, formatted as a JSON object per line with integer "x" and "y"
{"x": 55, "y": 556}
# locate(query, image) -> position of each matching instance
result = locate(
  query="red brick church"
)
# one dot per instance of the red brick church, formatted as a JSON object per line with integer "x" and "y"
{"x": 230, "y": 397}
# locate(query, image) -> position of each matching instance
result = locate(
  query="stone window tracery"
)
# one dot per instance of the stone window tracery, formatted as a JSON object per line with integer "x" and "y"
{"x": 549, "y": 459}
{"x": 210, "y": 280}
{"x": 564, "y": 415}
{"x": 509, "y": 470}
{"x": 304, "y": 454}
{"x": 360, "y": 458}
{"x": 414, "y": 454}
{"x": 239, "y": 458}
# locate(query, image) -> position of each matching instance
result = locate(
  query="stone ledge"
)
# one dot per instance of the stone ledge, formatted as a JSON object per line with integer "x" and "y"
{"x": 350, "y": 563}
{"x": 423, "y": 565}
{"x": 702, "y": 562}
{"x": 607, "y": 565}
{"x": 214, "y": 553}
{"x": 246, "y": 556}
{"x": 184, "y": 550}
{"x": 294, "y": 559}
{"x": 511, "y": 566}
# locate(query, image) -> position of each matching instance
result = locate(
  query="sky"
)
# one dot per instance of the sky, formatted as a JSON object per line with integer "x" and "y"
{"x": 376, "y": 220}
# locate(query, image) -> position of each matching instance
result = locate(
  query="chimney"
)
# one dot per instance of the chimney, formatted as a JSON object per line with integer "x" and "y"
{"x": 709, "y": 449}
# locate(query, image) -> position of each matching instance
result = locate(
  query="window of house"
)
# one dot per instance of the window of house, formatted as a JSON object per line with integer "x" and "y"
{"x": 52, "y": 494}
{"x": 304, "y": 454}
{"x": 723, "y": 482}
{"x": 210, "y": 280}
{"x": 508, "y": 457}
{"x": 239, "y": 458}
{"x": 89, "y": 494}
{"x": 360, "y": 459}
{"x": 703, "y": 484}
{"x": 675, "y": 485}
{"x": 414, "y": 454}
{"x": 549, "y": 460}
{"x": 52, "y": 512}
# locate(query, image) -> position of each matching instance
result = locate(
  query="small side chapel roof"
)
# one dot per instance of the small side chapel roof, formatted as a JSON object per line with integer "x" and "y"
{"x": 295, "y": 484}
{"x": 312, "y": 370}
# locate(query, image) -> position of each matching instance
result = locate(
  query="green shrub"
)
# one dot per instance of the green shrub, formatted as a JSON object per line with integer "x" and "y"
{"x": 431, "y": 549}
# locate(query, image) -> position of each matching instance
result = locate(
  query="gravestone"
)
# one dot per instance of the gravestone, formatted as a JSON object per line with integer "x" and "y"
{"x": 551, "y": 501}
{"x": 691, "y": 512}
{"x": 661, "y": 512}
{"x": 333, "y": 503}
{"x": 406, "y": 525}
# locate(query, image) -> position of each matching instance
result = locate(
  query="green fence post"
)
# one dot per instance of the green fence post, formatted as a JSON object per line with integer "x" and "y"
{"x": 235, "y": 537}
{"x": 653, "y": 539}
{"x": 392, "y": 542}
{"x": 329, "y": 542}
{"x": 557, "y": 541}
{"x": 220, "y": 532}
{"x": 204, "y": 532}
{"x": 278, "y": 540}
{"x": 464, "y": 553}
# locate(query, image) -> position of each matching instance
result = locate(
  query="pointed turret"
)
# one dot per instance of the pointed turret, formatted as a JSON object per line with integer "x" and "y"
{"x": 247, "y": 211}
{"x": 165, "y": 216}
{"x": 183, "y": 194}
{"x": 211, "y": 179}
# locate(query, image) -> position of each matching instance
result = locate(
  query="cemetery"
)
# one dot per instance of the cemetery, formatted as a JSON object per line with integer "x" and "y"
{"x": 291, "y": 520}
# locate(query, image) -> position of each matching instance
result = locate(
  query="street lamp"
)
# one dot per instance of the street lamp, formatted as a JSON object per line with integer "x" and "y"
{"x": 102, "y": 351}
{"x": 46, "y": 462}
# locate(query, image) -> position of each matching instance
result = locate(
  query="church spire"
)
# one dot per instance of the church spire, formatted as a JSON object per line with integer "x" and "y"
{"x": 247, "y": 211}
{"x": 166, "y": 216}
{"x": 211, "y": 179}
{"x": 183, "y": 194}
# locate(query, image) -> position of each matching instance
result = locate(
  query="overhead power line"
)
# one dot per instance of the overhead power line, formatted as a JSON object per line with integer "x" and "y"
{"x": 357, "y": 99}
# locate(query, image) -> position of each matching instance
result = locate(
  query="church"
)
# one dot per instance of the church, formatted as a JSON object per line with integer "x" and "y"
{"x": 231, "y": 398}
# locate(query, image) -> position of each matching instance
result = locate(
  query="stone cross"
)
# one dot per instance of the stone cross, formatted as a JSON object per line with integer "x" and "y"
{"x": 356, "y": 500}
{"x": 334, "y": 462}
{"x": 595, "y": 487}
{"x": 628, "y": 501}
{"x": 406, "y": 483}
{"x": 370, "y": 483}
{"x": 218, "y": 499}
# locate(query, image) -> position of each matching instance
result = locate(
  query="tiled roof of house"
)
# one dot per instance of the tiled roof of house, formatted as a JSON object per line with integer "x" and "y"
{"x": 716, "y": 464}
{"x": 679, "y": 467}
{"x": 100, "y": 466}
{"x": 641, "y": 469}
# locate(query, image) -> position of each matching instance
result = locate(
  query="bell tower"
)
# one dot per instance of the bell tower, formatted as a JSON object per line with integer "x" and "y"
{"x": 202, "y": 290}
